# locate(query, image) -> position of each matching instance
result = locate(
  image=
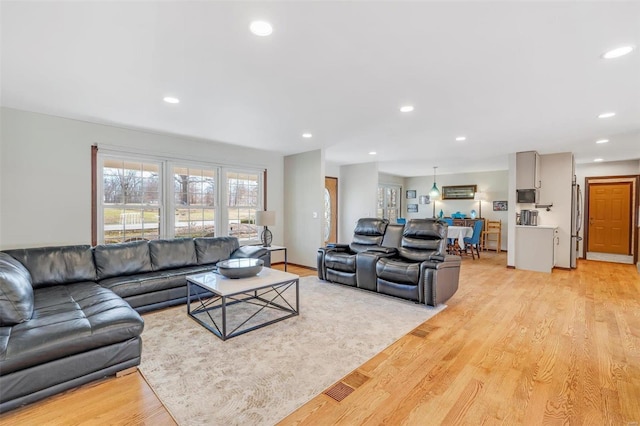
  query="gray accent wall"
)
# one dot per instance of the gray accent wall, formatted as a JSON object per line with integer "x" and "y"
{"x": 304, "y": 206}
{"x": 46, "y": 173}
{"x": 357, "y": 196}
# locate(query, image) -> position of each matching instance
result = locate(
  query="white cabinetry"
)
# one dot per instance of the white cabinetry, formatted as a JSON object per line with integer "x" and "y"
{"x": 536, "y": 247}
{"x": 528, "y": 170}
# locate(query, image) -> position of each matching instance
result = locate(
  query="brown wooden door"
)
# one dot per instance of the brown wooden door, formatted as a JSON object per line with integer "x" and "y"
{"x": 331, "y": 209}
{"x": 610, "y": 218}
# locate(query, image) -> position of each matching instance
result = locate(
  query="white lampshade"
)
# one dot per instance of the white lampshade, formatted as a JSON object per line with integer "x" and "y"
{"x": 480, "y": 196}
{"x": 265, "y": 218}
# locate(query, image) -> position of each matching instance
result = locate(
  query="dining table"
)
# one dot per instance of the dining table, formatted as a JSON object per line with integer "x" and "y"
{"x": 459, "y": 233}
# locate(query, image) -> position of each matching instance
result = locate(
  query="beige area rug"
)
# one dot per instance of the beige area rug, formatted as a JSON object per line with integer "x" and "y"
{"x": 260, "y": 377}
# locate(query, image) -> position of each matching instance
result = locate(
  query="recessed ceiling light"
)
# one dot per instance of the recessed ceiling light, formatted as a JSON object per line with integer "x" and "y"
{"x": 607, "y": 115}
{"x": 307, "y": 135}
{"x": 406, "y": 108}
{"x": 171, "y": 100}
{"x": 461, "y": 138}
{"x": 602, "y": 141}
{"x": 616, "y": 53}
{"x": 597, "y": 160}
{"x": 372, "y": 153}
{"x": 261, "y": 28}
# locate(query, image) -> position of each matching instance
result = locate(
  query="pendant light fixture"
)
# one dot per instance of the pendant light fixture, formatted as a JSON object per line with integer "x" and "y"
{"x": 435, "y": 192}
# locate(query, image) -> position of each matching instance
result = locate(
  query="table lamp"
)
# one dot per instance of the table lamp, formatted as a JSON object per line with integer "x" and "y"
{"x": 266, "y": 218}
{"x": 479, "y": 197}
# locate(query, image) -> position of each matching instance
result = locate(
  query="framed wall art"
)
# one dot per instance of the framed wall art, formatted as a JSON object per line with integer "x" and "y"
{"x": 411, "y": 193}
{"x": 500, "y": 206}
{"x": 459, "y": 192}
{"x": 412, "y": 208}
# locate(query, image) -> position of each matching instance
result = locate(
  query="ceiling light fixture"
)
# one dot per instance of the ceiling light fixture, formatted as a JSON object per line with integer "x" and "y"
{"x": 607, "y": 115}
{"x": 307, "y": 135}
{"x": 171, "y": 100}
{"x": 461, "y": 138}
{"x": 406, "y": 108}
{"x": 372, "y": 153}
{"x": 598, "y": 160}
{"x": 261, "y": 28}
{"x": 617, "y": 52}
{"x": 602, "y": 141}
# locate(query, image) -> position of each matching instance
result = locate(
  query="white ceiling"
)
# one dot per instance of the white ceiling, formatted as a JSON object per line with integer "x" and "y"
{"x": 511, "y": 76}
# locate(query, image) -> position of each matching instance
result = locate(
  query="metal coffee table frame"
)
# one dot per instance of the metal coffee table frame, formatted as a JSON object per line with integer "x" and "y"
{"x": 216, "y": 288}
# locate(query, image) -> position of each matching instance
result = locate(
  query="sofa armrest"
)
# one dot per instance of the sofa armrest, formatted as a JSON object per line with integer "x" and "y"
{"x": 255, "y": 252}
{"x": 440, "y": 279}
{"x": 337, "y": 246}
{"x": 383, "y": 251}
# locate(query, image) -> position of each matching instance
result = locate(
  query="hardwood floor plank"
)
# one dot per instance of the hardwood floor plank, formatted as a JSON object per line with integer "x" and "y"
{"x": 513, "y": 347}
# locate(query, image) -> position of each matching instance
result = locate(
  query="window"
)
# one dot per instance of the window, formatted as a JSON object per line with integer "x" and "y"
{"x": 151, "y": 198}
{"x": 195, "y": 202}
{"x": 132, "y": 204}
{"x": 389, "y": 202}
{"x": 243, "y": 195}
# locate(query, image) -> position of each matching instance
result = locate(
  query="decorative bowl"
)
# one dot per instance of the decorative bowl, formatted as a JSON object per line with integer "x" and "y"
{"x": 240, "y": 268}
{"x": 458, "y": 215}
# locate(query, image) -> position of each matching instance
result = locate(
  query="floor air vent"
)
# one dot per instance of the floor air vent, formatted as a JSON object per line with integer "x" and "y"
{"x": 339, "y": 391}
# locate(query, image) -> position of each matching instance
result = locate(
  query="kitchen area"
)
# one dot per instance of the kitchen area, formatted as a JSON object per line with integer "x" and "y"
{"x": 547, "y": 214}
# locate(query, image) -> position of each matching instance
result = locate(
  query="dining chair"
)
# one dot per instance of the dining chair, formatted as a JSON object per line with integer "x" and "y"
{"x": 474, "y": 240}
{"x": 493, "y": 229}
{"x": 451, "y": 249}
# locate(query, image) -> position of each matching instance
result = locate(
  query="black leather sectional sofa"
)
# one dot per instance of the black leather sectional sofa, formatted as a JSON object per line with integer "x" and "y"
{"x": 408, "y": 261}
{"x": 70, "y": 315}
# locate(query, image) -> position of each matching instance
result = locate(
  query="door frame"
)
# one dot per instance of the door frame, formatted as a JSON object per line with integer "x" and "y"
{"x": 635, "y": 207}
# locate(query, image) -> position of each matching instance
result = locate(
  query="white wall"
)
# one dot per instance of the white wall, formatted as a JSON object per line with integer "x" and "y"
{"x": 46, "y": 174}
{"x": 613, "y": 168}
{"x": 556, "y": 172}
{"x": 332, "y": 169}
{"x": 357, "y": 196}
{"x": 391, "y": 179}
{"x": 493, "y": 184}
{"x": 511, "y": 218}
{"x": 1, "y": 168}
{"x": 304, "y": 206}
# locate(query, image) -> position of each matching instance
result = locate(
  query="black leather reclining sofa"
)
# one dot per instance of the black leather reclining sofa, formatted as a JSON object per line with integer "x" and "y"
{"x": 408, "y": 261}
{"x": 70, "y": 315}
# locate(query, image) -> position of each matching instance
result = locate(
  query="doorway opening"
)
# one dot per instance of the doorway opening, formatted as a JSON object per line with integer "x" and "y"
{"x": 330, "y": 232}
{"x": 610, "y": 231}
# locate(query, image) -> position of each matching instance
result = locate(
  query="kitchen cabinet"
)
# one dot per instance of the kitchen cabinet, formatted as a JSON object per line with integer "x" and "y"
{"x": 536, "y": 247}
{"x": 528, "y": 170}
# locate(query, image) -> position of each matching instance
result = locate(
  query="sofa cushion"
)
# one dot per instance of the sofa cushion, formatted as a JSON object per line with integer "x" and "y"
{"x": 113, "y": 260}
{"x": 398, "y": 271}
{"x": 340, "y": 261}
{"x": 16, "y": 293}
{"x": 68, "y": 319}
{"x": 168, "y": 254}
{"x": 57, "y": 265}
{"x": 215, "y": 249}
{"x": 424, "y": 239}
{"x": 131, "y": 285}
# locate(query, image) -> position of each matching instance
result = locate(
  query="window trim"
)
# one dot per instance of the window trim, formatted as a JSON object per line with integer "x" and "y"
{"x": 167, "y": 203}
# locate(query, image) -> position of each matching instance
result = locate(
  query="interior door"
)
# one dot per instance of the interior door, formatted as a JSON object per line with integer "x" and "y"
{"x": 330, "y": 209}
{"x": 610, "y": 218}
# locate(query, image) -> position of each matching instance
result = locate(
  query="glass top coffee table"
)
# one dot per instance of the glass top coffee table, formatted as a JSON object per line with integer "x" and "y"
{"x": 231, "y": 307}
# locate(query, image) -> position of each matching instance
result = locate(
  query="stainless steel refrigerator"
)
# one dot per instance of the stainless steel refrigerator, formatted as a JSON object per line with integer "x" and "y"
{"x": 576, "y": 220}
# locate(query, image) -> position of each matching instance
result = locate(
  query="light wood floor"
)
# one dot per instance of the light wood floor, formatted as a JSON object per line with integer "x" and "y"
{"x": 513, "y": 347}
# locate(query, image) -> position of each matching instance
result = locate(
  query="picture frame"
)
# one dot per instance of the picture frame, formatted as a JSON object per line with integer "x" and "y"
{"x": 425, "y": 199}
{"x": 500, "y": 206}
{"x": 411, "y": 193}
{"x": 459, "y": 192}
{"x": 412, "y": 208}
